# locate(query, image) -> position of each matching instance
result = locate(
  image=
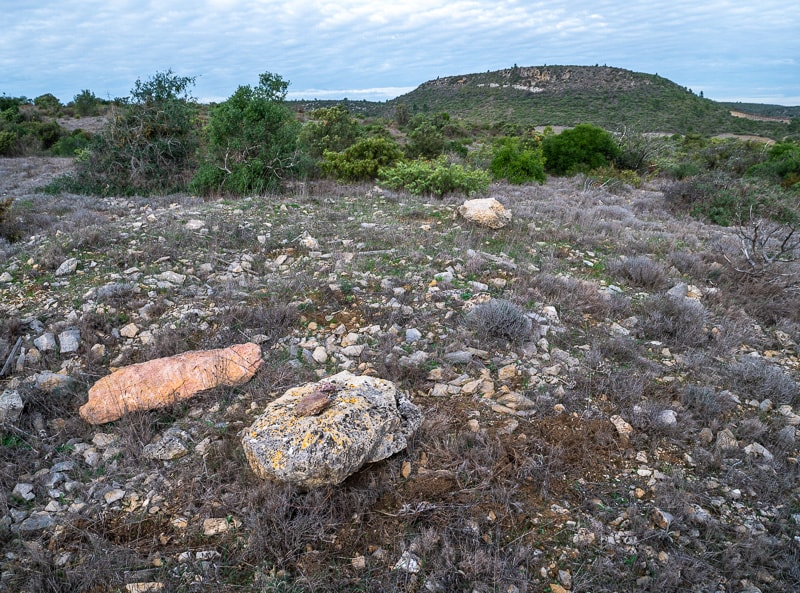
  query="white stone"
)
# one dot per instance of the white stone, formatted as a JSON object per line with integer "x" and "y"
{"x": 24, "y": 491}
{"x": 320, "y": 355}
{"x": 11, "y": 405}
{"x": 129, "y": 331}
{"x": 45, "y": 342}
{"x": 172, "y": 277}
{"x": 114, "y": 495}
{"x": 195, "y": 225}
{"x": 6, "y": 277}
{"x": 69, "y": 341}
{"x": 485, "y": 212}
{"x": 67, "y": 267}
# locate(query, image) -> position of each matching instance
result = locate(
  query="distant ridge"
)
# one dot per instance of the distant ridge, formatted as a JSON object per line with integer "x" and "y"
{"x": 568, "y": 95}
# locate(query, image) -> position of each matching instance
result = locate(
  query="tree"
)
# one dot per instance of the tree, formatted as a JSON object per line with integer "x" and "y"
{"x": 252, "y": 141}
{"x": 85, "y": 103}
{"x": 48, "y": 103}
{"x": 149, "y": 144}
{"x": 515, "y": 163}
{"x": 582, "y": 148}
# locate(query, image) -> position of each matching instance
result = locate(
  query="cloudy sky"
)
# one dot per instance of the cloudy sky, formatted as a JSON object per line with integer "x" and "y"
{"x": 731, "y": 50}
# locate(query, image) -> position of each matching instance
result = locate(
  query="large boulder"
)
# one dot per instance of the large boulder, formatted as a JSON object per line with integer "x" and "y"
{"x": 485, "y": 212}
{"x": 320, "y": 433}
{"x": 164, "y": 381}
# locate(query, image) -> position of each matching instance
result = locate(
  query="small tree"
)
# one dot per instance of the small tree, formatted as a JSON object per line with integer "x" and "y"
{"x": 85, "y": 103}
{"x": 362, "y": 160}
{"x": 582, "y": 148}
{"x": 252, "y": 141}
{"x": 149, "y": 144}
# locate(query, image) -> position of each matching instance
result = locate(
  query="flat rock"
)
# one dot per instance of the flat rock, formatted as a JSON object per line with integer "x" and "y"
{"x": 69, "y": 341}
{"x": 367, "y": 419}
{"x": 11, "y": 405}
{"x": 67, "y": 267}
{"x": 164, "y": 381}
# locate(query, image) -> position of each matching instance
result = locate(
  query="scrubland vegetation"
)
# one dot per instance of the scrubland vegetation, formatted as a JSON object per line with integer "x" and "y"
{"x": 609, "y": 383}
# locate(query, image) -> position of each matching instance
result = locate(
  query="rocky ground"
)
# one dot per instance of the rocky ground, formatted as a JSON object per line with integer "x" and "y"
{"x": 640, "y": 434}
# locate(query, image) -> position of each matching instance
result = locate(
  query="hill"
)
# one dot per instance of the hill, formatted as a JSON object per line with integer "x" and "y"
{"x": 569, "y": 95}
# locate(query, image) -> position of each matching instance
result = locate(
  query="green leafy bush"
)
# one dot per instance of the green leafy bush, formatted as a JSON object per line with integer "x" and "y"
{"x": 149, "y": 144}
{"x": 425, "y": 141}
{"x": 516, "y": 164}
{"x": 333, "y": 129}
{"x": 580, "y": 149}
{"x": 71, "y": 144}
{"x": 252, "y": 141}
{"x": 85, "y": 103}
{"x": 362, "y": 160}
{"x": 434, "y": 177}
{"x": 782, "y": 165}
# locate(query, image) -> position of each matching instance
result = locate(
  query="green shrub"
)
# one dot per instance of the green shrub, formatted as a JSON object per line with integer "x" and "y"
{"x": 517, "y": 164}
{"x": 580, "y": 149}
{"x": 7, "y": 142}
{"x": 333, "y": 129}
{"x": 85, "y": 103}
{"x": 71, "y": 144}
{"x": 149, "y": 144}
{"x": 362, "y": 160}
{"x": 252, "y": 141}
{"x": 434, "y": 177}
{"x": 782, "y": 164}
{"x": 425, "y": 141}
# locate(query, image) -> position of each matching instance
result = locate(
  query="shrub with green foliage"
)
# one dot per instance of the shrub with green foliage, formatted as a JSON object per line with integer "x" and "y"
{"x": 85, "y": 103}
{"x": 782, "y": 165}
{"x": 147, "y": 147}
{"x": 580, "y": 149}
{"x": 332, "y": 128}
{"x": 71, "y": 144}
{"x": 252, "y": 141}
{"x": 515, "y": 163}
{"x": 425, "y": 141}
{"x": 362, "y": 160}
{"x": 434, "y": 177}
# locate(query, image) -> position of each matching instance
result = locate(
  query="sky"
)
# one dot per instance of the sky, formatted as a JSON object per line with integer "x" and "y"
{"x": 331, "y": 49}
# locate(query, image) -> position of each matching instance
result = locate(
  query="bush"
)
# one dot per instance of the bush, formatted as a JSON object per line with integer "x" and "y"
{"x": 71, "y": 144}
{"x": 251, "y": 141}
{"x": 425, "y": 141}
{"x": 583, "y": 148}
{"x": 499, "y": 318}
{"x": 362, "y": 160}
{"x": 760, "y": 379}
{"x": 434, "y": 177}
{"x": 516, "y": 164}
{"x": 85, "y": 103}
{"x": 149, "y": 144}
{"x": 679, "y": 322}
{"x": 333, "y": 129}
{"x": 782, "y": 165}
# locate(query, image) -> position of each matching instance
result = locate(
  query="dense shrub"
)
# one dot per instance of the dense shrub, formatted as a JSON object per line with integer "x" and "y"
{"x": 782, "y": 165}
{"x": 148, "y": 145}
{"x": 582, "y": 148}
{"x": 85, "y": 103}
{"x": 426, "y": 141}
{"x": 515, "y": 163}
{"x": 679, "y": 322}
{"x": 71, "y": 144}
{"x": 24, "y": 130}
{"x": 434, "y": 177}
{"x": 251, "y": 141}
{"x": 333, "y": 129}
{"x": 362, "y": 160}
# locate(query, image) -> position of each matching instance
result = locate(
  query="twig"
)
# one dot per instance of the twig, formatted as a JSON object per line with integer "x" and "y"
{"x": 11, "y": 356}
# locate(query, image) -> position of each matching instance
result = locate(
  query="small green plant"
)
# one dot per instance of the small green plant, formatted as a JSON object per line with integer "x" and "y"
{"x": 332, "y": 129}
{"x": 362, "y": 160}
{"x": 434, "y": 177}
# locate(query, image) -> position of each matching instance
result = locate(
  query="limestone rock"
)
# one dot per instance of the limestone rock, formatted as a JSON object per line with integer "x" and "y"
{"x": 161, "y": 382}
{"x": 69, "y": 340}
{"x": 10, "y": 405}
{"x": 367, "y": 420}
{"x": 67, "y": 267}
{"x": 485, "y": 212}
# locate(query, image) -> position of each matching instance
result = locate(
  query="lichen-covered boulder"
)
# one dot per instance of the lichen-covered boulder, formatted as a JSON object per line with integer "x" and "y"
{"x": 320, "y": 433}
{"x": 486, "y": 212}
{"x": 164, "y": 381}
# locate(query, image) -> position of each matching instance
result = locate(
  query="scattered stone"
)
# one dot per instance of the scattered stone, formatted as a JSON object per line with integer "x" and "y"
{"x": 486, "y": 212}
{"x": 408, "y": 563}
{"x": 368, "y": 421}
{"x": 69, "y": 341}
{"x": 145, "y": 587}
{"x": 413, "y": 335}
{"x": 11, "y": 405}
{"x": 661, "y": 519}
{"x": 129, "y": 331}
{"x": 667, "y": 418}
{"x": 194, "y": 225}
{"x": 47, "y": 381}
{"x": 45, "y": 342}
{"x": 162, "y": 382}
{"x": 358, "y": 562}
{"x": 460, "y": 357}
{"x": 6, "y": 277}
{"x": 171, "y": 445}
{"x": 67, "y": 267}
{"x": 24, "y": 491}
{"x": 172, "y": 277}
{"x": 36, "y": 521}
{"x": 624, "y": 429}
{"x": 725, "y": 440}
{"x": 215, "y": 526}
{"x": 320, "y": 355}
{"x": 114, "y": 495}
{"x": 758, "y": 450}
